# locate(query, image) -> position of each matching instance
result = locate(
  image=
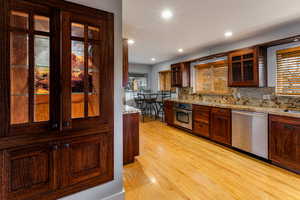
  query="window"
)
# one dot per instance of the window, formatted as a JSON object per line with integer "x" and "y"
{"x": 165, "y": 81}
{"x": 137, "y": 82}
{"x": 212, "y": 78}
{"x": 288, "y": 71}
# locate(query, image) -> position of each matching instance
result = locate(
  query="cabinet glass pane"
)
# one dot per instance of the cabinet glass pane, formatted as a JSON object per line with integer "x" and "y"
{"x": 77, "y": 30}
{"x": 236, "y": 58}
{"x": 93, "y": 33}
{"x": 248, "y": 56}
{"x": 19, "y": 77}
{"x": 41, "y": 78}
{"x": 93, "y": 80}
{"x": 19, "y": 19}
{"x": 248, "y": 70}
{"x": 41, "y": 23}
{"x": 237, "y": 71}
{"x": 77, "y": 79}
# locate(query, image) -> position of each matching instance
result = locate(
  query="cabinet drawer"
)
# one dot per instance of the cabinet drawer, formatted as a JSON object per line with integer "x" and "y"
{"x": 201, "y": 128}
{"x": 221, "y": 111}
{"x": 201, "y": 115}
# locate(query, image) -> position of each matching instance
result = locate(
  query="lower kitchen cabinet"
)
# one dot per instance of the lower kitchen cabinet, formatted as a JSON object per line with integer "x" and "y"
{"x": 169, "y": 114}
{"x": 130, "y": 137}
{"x": 201, "y": 120}
{"x": 221, "y": 125}
{"x": 31, "y": 172}
{"x": 85, "y": 159}
{"x": 284, "y": 141}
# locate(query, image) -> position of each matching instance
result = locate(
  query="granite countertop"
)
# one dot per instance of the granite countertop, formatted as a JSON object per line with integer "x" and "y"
{"x": 274, "y": 111}
{"x": 130, "y": 110}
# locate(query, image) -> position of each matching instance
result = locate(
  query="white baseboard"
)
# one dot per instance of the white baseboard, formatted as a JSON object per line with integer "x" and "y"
{"x": 117, "y": 196}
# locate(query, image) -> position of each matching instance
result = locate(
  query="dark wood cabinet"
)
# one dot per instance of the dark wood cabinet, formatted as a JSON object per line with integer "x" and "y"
{"x": 30, "y": 171}
{"x": 221, "y": 125}
{"x": 180, "y": 75}
{"x": 243, "y": 68}
{"x": 201, "y": 120}
{"x": 169, "y": 113}
{"x": 56, "y": 135}
{"x": 130, "y": 137}
{"x": 125, "y": 62}
{"x": 284, "y": 141}
{"x": 85, "y": 158}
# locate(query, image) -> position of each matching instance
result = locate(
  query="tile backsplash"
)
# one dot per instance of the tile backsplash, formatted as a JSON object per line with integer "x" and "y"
{"x": 263, "y": 97}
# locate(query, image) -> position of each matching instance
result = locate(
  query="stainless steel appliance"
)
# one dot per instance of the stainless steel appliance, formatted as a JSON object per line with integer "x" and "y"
{"x": 183, "y": 115}
{"x": 250, "y": 132}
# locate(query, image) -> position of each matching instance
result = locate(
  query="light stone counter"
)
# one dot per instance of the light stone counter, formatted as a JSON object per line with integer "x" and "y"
{"x": 130, "y": 110}
{"x": 274, "y": 111}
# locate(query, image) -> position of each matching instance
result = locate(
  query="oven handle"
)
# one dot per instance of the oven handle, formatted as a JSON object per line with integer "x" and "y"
{"x": 182, "y": 110}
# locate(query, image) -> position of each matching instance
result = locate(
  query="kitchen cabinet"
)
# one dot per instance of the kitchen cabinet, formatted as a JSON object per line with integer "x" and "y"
{"x": 30, "y": 171}
{"x": 130, "y": 137}
{"x": 221, "y": 125}
{"x": 201, "y": 120}
{"x": 56, "y": 134}
{"x": 284, "y": 141}
{"x": 125, "y": 62}
{"x": 243, "y": 68}
{"x": 180, "y": 75}
{"x": 169, "y": 113}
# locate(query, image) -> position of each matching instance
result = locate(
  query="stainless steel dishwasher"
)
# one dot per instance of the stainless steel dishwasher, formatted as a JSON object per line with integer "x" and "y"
{"x": 250, "y": 132}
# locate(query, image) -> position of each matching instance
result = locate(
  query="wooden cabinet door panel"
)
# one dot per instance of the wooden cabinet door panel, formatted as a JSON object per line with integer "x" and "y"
{"x": 221, "y": 128}
{"x": 201, "y": 128}
{"x": 169, "y": 116}
{"x": 284, "y": 144}
{"x": 86, "y": 158}
{"x": 30, "y": 171}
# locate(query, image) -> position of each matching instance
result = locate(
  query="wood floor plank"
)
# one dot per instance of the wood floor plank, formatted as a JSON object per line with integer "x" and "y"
{"x": 175, "y": 165}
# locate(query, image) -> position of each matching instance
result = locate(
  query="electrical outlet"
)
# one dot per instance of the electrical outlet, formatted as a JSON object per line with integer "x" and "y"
{"x": 266, "y": 97}
{"x": 238, "y": 95}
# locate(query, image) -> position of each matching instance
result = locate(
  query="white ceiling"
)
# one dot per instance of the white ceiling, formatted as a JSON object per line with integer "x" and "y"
{"x": 197, "y": 24}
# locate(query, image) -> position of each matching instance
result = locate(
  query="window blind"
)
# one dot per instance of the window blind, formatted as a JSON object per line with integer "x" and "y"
{"x": 165, "y": 80}
{"x": 288, "y": 71}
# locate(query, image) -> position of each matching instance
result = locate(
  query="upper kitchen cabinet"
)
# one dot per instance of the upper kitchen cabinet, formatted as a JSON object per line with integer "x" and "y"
{"x": 181, "y": 74}
{"x": 244, "y": 68}
{"x": 32, "y": 68}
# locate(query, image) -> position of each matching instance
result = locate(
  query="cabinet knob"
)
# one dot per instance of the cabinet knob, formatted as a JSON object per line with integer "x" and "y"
{"x": 67, "y": 145}
{"x": 55, "y": 126}
{"x": 66, "y": 124}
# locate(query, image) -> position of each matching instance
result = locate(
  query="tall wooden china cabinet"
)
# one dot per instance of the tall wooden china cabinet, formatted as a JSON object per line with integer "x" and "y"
{"x": 56, "y": 98}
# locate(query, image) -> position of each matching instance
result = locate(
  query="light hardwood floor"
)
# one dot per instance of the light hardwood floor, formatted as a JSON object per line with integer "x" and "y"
{"x": 175, "y": 165}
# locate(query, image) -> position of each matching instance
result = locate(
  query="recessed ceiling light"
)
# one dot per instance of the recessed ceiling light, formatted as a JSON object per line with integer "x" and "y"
{"x": 167, "y": 14}
{"x": 153, "y": 59}
{"x": 180, "y": 50}
{"x": 131, "y": 42}
{"x": 228, "y": 34}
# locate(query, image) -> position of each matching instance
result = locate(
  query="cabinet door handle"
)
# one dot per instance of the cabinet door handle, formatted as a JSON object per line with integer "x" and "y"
{"x": 55, "y": 147}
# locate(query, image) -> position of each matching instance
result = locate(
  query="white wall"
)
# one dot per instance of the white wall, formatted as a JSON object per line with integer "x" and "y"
{"x": 275, "y": 34}
{"x": 141, "y": 69}
{"x": 114, "y": 189}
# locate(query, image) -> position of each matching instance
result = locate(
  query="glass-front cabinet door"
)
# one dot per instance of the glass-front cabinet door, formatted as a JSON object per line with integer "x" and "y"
{"x": 30, "y": 66}
{"x": 83, "y": 67}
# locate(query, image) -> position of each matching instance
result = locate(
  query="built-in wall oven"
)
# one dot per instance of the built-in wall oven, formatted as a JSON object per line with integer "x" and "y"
{"x": 183, "y": 115}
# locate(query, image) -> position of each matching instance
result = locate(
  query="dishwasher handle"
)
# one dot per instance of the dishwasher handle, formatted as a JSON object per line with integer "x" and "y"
{"x": 252, "y": 114}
